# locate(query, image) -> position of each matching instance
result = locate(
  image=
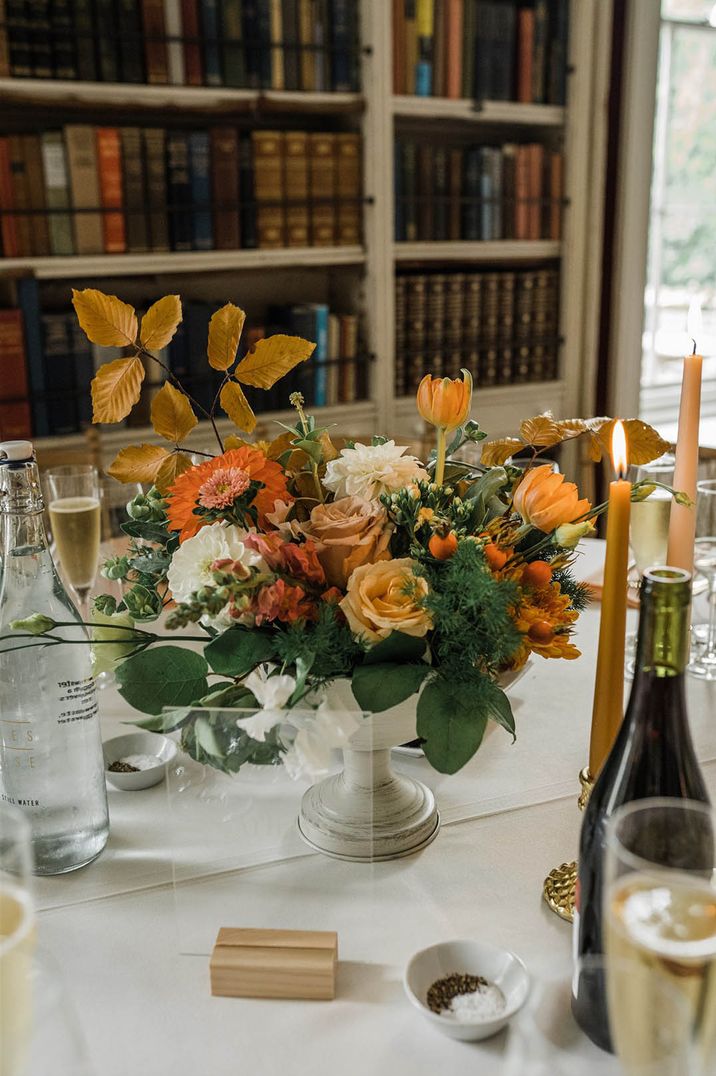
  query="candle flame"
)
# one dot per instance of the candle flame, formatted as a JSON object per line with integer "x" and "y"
{"x": 619, "y": 449}
{"x": 694, "y": 326}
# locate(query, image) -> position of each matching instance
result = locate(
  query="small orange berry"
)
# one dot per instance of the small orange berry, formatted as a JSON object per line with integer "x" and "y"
{"x": 537, "y": 574}
{"x": 442, "y": 546}
{"x": 541, "y": 632}
{"x": 495, "y": 557}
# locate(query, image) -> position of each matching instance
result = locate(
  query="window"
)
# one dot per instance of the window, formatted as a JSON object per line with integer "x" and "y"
{"x": 682, "y": 222}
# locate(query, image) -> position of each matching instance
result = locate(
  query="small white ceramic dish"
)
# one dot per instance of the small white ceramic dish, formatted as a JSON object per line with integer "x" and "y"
{"x": 138, "y": 743}
{"x": 498, "y": 966}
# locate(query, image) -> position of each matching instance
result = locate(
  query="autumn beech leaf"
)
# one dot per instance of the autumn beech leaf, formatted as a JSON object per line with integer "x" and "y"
{"x": 644, "y": 444}
{"x": 224, "y": 334}
{"x": 115, "y": 389}
{"x": 571, "y": 427}
{"x": 171, "y": 414}
{"x": 138, "y": 463}
{"x": 160, "y": 323}
{"x": 105, "y": 319}
{"x": 495, "y": 453}
{"x": 170, "y": 469}
{"x": 237, "y": 407}
{"x": 269, "y": 359}
{"x": 542, "y": 431}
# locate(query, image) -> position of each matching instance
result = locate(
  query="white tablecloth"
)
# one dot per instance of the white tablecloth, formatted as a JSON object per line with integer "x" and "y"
{"x": 121, "y": 938}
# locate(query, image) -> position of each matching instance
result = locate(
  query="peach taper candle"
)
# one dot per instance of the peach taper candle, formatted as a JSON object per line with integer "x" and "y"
{"x": 682, "y": 522}
{"x": 608, "y": 706}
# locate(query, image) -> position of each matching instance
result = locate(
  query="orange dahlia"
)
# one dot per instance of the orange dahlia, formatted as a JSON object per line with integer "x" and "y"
{"x": 185, "y": 492}
{"x": 544, "y": 617}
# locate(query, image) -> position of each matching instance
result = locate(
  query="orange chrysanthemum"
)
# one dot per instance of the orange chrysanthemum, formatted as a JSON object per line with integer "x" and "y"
{"x": 547, "y": 606}
{"x": 184, "y": 493}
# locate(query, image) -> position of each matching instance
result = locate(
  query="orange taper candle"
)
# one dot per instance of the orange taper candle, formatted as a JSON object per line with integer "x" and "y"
{"x": 682, "y": 522}
{"x": 608, "y": 706}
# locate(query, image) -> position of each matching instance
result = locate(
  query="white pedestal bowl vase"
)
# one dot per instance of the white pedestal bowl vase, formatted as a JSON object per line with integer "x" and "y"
{"x": 367, "y": 812}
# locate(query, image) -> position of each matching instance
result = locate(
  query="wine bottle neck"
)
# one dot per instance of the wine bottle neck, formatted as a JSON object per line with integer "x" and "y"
{"x": 663, "y": 645}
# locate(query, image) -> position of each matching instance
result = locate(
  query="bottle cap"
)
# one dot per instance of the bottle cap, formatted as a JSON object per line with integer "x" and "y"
{"x": 16, "y": 451}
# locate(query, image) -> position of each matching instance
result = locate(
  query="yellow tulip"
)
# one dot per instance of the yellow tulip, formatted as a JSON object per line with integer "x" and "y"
{"x": 445, "y": 402}
{"x": 546, "y": 501}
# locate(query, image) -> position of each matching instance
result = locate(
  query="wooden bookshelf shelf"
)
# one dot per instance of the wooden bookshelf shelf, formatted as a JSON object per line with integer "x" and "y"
{"x": 502, "y": 250}
{"x": 488, "y": 112}
{"x": 193, "y": 261}
{"x": 500, "y": 408}
{"x": 67, "y": 94}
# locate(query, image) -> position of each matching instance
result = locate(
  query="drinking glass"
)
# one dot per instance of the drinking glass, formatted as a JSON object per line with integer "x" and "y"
{"x": 703, "y": 663}
{"x": 660, "y": 915}
{"x": 74, "y": 507}
{"x": 649, "y": 520}
{"x": 114, "y": 543}
{"x": 17, "y": 937}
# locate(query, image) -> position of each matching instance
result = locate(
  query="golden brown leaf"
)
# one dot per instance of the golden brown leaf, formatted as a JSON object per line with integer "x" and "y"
{"x": 644, "y": 443}
{"x": 280, "y": 444}
{"x": 224, "y": 334}
{"x": 269, "y": 359}
{"x": 137, "y": 463}
{"x": 105, "y": 319}
{"x": 330, "y": 452}
{"x": 237, "y": 407}
{"x": 541, "y": 431}
{"x": 172, "y": 415}
{"x": 232, "y": 441}
{"x": 115, "y": 389}
{"x": 571, "y": 427}
{"x": 495, "y": 453}
{"x": 160, "y": 323}
{"x": 170, "y": 470}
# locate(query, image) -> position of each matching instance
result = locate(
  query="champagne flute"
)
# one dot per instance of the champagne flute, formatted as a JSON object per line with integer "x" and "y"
{"x": 703, "y": 664}
{"x": 649, "y": 520}
{"x": 660, "y": 914}
{"x": 17, "y": 935}
{"x": 75, "y": 519}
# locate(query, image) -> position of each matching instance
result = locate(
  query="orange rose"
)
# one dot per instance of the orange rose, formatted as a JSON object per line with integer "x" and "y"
{"x": 349, "y": 532}
{"x": 378, "y": 600}
{"x": 546, "y": 501}
{"x": 444, "y": 402}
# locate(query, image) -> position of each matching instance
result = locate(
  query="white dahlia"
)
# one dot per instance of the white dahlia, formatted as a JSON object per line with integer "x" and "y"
{"x": 190, "y": 568}
{"x": 369, "y": 470}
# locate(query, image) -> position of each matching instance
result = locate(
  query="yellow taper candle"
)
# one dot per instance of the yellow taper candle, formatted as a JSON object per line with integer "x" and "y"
{"x": 682, "y": 522}
{"x": 608, "y": 706}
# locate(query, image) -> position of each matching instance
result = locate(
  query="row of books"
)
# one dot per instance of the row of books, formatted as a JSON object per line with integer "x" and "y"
{"x": 255, "y": 44}
{"x": 503, "y": 327}
{"x": 477, "y": 192}
{"x": 48, "y": 363}
{"x": 495, "y": 50}
{"x": 107, "y": 190}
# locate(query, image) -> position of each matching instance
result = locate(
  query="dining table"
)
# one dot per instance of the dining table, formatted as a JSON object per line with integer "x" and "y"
{"x": 131, "y": 934}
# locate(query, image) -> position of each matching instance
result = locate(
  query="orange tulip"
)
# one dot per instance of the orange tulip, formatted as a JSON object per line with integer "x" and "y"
{"x": 546, "y": 501}
{"x": 444, "y": 402}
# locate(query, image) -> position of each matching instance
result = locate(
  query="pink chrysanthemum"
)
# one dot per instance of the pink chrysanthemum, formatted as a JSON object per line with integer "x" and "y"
{"x": 223, "y": 487}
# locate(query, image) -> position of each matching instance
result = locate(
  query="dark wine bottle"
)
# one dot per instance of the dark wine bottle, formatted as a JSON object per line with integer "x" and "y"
{"x": 652, "y": 755}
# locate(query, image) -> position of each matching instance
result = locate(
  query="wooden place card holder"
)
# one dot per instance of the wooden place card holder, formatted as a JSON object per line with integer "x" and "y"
{"x": 248, "y": 963}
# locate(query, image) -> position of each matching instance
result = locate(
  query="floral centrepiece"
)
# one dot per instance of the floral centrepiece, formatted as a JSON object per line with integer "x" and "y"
{"x": 300, "y": 564}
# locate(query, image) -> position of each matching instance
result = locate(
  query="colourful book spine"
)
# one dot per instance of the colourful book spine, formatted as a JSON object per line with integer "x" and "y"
{"x": 57, "y": 193}
{"x": 8, "y": 222}
{"x": 343, "y": 32}
{"x": 20, "y": 196}
{"x": 175, "y": 52}
{"x": 322, "y": 180}
{"x": 424, "y": 64}
{"x": 225, "y": 186}
{"x": 109, "y": 163}
{"x": 522, "y": 193}
{"x": 278, "y": 81}
{"x": 525, "y": 52}
{"x": 334, "y": 358}
{"x": 28, "y": 297}
{"x": 536, "y": 157}
{"x": 305, "y": 36}
{"x": 193, "y": 65}
{"x": 32, "y": 152}
{"x": 453, "y": 34}
{"x": 13, "y": 370}
{"x": 210, "y": 28}
{"x": 348, "y": 179}
{"x": 349, "y": 354}
{"x": 203, "y": 238}
{"x": 268, "y": 153}
{"x": 556, "y": 191}
{"x": 411, "y": 43}
{"x": 320, "y": 357}
{"x": 155, "y": 43}
{"x": 296, "y": 176}
{"x": 84, "y": 187}
{"x": 539, "y": 58}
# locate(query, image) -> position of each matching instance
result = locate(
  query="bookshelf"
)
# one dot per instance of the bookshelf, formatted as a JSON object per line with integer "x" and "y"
{"x": 364, "y": 276}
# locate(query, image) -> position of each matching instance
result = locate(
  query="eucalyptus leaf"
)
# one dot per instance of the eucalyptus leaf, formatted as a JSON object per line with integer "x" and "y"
{"x": 499, "y": 708}
{"x": 206, "y": 737}
{"x": 396, "y": 647}
{"x": 162, "y": 676}
{"x": 378, "y": 687}
{"x": 239, "y": 650}
{"x": 450, "y": 725}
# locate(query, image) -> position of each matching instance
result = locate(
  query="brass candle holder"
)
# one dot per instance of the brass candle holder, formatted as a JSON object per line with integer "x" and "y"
{"x": 561, "y": 882}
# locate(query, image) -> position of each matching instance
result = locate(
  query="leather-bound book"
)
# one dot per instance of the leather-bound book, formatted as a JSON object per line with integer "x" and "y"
{"x": 131, "y": 50}
{"x": 225, "y": 187}
{"x": 489, "y": 329}
{"x": 439, "y": 49}
{"x": 305, "y": 37}
{"x": 400, "y": 334}
{"x": 20, "y": 196}
{"x": 509, "y": 169}
{"x": 15, "y": 421}
{"x": 19, "y": 38}
{"x": 522, "y": 193}
{"x": 278, "y": 76}
{"x": 105, "y": 28}
{"x": 32, "y": 151}
{"x": 411, "y": 43}
{"x": 135, "y": 190}
{"x": 9, "y": 232}
{"x": 296, "y": 173}
{"x": 247, "y": 210}
{"x": 175, "y": 52}
{"x": 536, "y": 158}
{"x": 322, "y": 183}
{"x": 39, "y": 27}
{"x": 109, "y": 163}
{"x": 155, "y": 43}
{"x": 553, "y": 227}
{"x": 232, "y": 45}
{"x": 154, "y": 145}
{"x": 426, "y": 207}
{"x": 441, "y": 194}
{"x": 291, "y": 52}
{"x": 85, "y": 33}
{"x": 211, "y": 40}
{"x": 454, "y": 318}
{"x": 84, "y": 187}
{"x": 506, "y": 330}
{"x": 199, "y": 160}
{"x": 524, "y": 312}
{"x": 179, "y": 191}
{"x": 398, "y": 25}
{"x": 409, "y": 154}
{"x": 4, "y": 43}
{"x": 539, "y": 58}
{"x": 435, "y": 324}
{"x": 268, "y": 152}
{"x": 416, "y": 309}
{"x": 193, "y": 63}
{"x": 57, "y": 193}
{"x": 64, "y": 64}
{"x": 472, "y": 310}
{"x": 525, "y": 54}
{"x": 348, "y": 168}
{"x": 349, "y": 385}
{"x": 455, "y": 189}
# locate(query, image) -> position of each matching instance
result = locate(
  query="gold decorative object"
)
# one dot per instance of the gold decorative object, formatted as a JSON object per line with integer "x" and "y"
{"x": 561, "y": 882}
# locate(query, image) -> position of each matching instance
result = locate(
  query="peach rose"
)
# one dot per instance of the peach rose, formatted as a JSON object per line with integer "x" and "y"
{"x": 546, "y": 501}
{"x": 378, "y": 600}
{"x": 349, "y": 532}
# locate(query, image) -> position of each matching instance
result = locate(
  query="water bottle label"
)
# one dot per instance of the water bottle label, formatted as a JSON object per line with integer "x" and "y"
{"x": 79, "y": 698}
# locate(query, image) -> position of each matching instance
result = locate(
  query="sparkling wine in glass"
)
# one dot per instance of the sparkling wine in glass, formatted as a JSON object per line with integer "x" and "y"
{"x": 17, "y": 938}
{"x": 703, "y": 664}
{"x": 75, "y": 518}
{"x": 660, "y": 912}
{"x": 649, "y": 522}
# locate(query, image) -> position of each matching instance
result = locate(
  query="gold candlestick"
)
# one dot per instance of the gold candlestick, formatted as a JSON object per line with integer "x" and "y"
{"x": 561, "y": 882}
